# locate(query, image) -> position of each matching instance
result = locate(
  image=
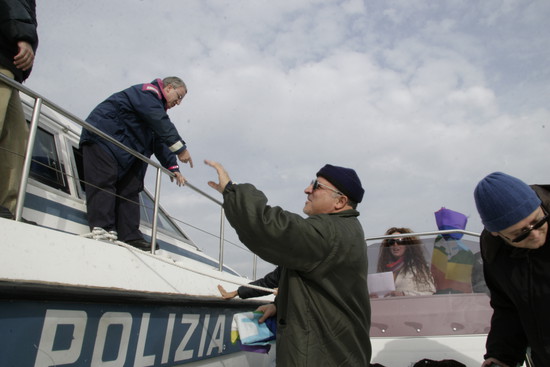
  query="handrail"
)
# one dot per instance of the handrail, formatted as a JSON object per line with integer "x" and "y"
{"x": 421, "y": 234}
{"x": 96, "y": 131}
{"x": 39, "y": 101}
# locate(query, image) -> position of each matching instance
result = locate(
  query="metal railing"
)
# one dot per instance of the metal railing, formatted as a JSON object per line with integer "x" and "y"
{"x": 422, "y": 234}
{"x": 39, "y": 102}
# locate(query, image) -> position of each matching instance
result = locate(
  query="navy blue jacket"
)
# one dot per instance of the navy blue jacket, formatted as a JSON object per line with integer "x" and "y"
{"x": 17, "y": 23}
{"x": 137, "y": 118}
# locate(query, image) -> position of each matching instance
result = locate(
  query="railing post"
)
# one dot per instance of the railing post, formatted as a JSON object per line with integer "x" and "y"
{"x": 28, "y": 159}
{"x": 222, "y": 239}
{"x": 254, "y": 266}
{"x": 156, "y": 211}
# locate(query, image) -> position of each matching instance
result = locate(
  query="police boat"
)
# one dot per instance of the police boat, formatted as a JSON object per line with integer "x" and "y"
{"x": 70, "y": 297}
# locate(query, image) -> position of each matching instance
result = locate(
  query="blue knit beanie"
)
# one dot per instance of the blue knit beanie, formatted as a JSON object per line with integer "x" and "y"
{"x": 503, "y": 200}
{"x": 345, "y": 180}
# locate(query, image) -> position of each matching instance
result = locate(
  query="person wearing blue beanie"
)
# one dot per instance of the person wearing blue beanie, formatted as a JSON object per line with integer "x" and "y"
{"x": 320, "y": 322}
{"x": 516, "y": 261}
{"x": 503, "y": 200}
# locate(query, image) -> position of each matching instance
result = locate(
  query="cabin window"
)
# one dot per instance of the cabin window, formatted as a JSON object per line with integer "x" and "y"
{"x": 46, "y": 166}
{"x": 79, "y": 172}
{"x": 165, "y": 224}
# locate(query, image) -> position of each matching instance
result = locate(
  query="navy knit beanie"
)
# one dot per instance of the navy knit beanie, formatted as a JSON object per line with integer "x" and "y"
{"x": 345, "y": 180}
{"x": 503, "y": 200}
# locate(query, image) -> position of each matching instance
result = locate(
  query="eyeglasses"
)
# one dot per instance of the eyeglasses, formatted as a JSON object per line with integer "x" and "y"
{"x": 316, "y": 184}
{"x": 393, "y": 241}
{"x": 180, "y": 97}
{"x": 527, "y": 231}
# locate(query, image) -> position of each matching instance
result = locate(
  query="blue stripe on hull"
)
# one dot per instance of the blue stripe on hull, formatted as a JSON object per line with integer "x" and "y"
{"x": 54, "y": 208}
{"x": 82, "y": 334}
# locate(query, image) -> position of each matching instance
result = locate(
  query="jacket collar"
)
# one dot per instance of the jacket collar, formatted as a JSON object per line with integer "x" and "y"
{"x": 160, "y": 84}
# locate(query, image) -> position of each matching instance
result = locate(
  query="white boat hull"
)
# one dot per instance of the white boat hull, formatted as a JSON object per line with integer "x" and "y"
{"x": 69, "y": 300}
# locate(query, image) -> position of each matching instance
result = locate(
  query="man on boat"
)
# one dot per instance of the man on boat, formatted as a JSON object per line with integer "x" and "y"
{"x": 18, "y": 44}
{"x": 114, "y": 178}
{"x": 323, "y": 308}
{"x": 516, "y": 259}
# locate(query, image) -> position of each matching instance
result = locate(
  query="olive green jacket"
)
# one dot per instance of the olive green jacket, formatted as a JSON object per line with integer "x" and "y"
{"x": 323, "y": 307}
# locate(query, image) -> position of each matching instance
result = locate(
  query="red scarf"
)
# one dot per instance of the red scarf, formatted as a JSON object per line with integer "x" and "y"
{"x": 396, "y": 265}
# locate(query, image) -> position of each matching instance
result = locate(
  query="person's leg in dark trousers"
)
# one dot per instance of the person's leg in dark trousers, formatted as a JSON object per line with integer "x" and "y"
{"x": 100, "y": 175}
{"x": 127, "y": 206}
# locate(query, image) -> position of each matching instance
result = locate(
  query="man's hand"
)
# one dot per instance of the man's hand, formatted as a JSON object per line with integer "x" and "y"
{"x": 25, "y": 57}
{"x": 185, "y": 157}
{"x": 269, "y": 310}
{"x": 223, "y": 176}
{"x": 395, "y": 294}
{"x": 180, "y": 180}
{"x": 489, "y": 362}
{"x": 225, "y": 294}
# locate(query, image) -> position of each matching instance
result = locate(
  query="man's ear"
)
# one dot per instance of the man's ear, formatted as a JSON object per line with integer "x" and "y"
{"x": 341, "y": 202}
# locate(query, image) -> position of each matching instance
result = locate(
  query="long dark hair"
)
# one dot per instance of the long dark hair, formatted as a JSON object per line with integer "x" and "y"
{"x": 414, "y": 260}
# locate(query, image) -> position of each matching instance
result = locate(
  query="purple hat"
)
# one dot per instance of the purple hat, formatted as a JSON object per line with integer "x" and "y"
{"x": 503, "y": 200}
{"x": 345, "y": 180}
{"x": 449, "y": 219}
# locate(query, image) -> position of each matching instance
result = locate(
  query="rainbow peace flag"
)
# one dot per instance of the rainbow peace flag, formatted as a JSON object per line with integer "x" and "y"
{"x": 452, "y": 264}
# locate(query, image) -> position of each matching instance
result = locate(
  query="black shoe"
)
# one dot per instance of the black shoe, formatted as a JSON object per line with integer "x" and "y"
{"x": 5, "y": 213}
{"x": 141, "y": 244}
{"x": 28, "y": 221}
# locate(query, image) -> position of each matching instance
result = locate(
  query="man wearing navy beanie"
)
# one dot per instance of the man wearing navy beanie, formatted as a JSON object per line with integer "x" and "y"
{"x": 322, "y": 306}
{"x": 516, "y": 262}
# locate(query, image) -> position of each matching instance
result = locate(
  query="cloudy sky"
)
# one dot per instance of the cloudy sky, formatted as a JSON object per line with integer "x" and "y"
{"x": 421, "y": 98}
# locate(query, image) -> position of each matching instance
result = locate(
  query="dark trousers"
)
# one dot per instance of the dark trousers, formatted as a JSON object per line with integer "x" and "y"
{"x": 112, "y": 202}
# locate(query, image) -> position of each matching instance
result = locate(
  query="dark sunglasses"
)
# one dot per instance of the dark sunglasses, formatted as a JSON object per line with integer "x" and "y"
{"x": 316, "y": 184}
{"x": 393, "y": 241}
{"x": 531, "y": 228}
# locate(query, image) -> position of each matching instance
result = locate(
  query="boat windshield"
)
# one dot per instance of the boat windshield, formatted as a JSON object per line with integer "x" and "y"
{"x": 441, "y": 292}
